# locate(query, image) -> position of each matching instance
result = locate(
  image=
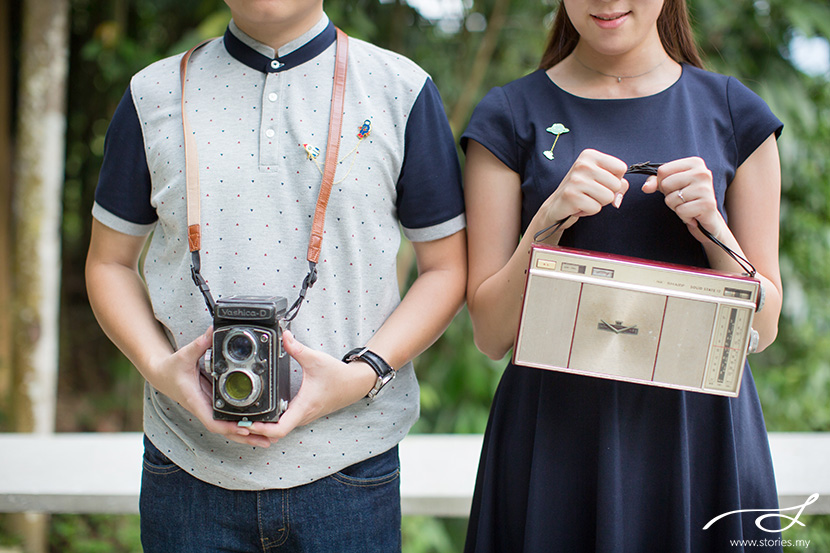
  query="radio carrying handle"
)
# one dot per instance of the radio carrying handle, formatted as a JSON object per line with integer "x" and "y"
{"x": 194, "y": 232}
{"x": 649, "y": 168}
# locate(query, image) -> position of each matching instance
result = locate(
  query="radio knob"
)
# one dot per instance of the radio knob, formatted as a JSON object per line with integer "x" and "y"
{"x": 754, "y": 338}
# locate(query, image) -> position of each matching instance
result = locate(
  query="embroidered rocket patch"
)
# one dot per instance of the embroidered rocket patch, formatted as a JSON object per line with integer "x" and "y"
{"x": 311, "y": 152}
{"x": 365, "y": 129}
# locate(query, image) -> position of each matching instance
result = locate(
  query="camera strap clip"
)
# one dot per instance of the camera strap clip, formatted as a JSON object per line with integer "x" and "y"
{"x": 199, "y": 280}
{"x": 308, "y": 282}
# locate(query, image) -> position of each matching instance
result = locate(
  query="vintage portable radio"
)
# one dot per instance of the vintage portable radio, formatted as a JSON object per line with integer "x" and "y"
{"x": 637, "y": 321}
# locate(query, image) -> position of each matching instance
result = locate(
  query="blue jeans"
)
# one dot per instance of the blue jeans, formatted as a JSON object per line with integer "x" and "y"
{"x": 355, "y": 510}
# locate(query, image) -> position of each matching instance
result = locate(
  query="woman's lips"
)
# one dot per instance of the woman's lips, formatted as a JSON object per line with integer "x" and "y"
{"x": 610, "y": 20}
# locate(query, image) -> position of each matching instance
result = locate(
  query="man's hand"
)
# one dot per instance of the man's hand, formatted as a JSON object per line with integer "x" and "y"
{"x": 328, "y": 386}
{"x": 119, "y": 299}
{"x": 179, "y": 378}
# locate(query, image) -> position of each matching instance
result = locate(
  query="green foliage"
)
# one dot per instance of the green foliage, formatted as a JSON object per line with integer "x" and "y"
{"x": 95, "y": 534}
{"x": 814, "y": 535}
{"x": 457, "y": 383}
{"x": 7, "y": 537}
{"x": 750, "y": 40}
{"x": 423, "y": 534}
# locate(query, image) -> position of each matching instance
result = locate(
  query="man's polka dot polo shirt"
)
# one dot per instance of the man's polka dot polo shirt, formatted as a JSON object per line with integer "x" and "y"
{"x": 260, "y": 120}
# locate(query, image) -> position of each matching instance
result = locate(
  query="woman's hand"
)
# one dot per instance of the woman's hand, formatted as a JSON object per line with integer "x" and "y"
{"x": 751, "y": 202}
{"x": 688, "y": 189}
{"x": 498, "y": 260}
{"x": 594, "y": 180}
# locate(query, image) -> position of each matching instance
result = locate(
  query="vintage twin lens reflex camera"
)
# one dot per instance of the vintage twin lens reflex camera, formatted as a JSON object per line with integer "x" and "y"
{"x": 247, "y": 364}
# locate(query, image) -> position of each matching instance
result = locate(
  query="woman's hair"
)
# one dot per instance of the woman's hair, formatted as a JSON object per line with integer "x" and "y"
{"x": 672, "y": 25}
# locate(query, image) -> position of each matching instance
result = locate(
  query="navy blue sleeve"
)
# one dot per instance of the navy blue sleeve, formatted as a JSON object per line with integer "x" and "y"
{"x": 491, "y": 125}
{"x": 752, "y": 120}
{"x": 429, "y": 186}
{"x": 124, "y": 186}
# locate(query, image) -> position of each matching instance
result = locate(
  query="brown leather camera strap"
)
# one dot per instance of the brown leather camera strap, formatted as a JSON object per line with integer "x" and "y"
{"x": 338, "y": 94}
{"x": 194, "y": 233}
{"x": 191, "y": 163}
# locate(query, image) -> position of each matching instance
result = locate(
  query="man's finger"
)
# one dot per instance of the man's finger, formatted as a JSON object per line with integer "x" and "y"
{"x": 197, "y": 348}
{"x": 289, "y": 420}
{"x": 294, "y": 347}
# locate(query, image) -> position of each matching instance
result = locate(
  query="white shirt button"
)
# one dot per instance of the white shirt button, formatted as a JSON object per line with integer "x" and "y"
{"x": 275, "y": 64}
{"x": 273, "y": 96}
{"x": 269, "y": 133}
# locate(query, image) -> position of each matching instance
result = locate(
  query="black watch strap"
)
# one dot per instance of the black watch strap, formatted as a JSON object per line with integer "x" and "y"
{"x": 384, "y": 371}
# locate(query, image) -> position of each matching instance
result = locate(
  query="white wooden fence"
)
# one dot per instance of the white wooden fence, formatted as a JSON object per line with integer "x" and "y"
{"x": 101, "y": 473}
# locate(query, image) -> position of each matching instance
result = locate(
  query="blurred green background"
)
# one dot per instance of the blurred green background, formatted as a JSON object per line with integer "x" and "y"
{"x": 776, "y": 47}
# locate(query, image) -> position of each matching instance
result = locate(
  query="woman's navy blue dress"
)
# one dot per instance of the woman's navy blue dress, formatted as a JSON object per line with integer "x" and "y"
{"x": 573, "y": 463}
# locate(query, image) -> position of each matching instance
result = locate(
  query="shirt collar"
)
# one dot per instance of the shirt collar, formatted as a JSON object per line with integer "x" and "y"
{"x": 262, "y": 58}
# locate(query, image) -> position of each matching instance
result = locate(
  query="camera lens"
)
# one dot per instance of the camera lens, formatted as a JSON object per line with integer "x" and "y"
{"x": 240, "y": 346}
{"x": 239, "y": 386}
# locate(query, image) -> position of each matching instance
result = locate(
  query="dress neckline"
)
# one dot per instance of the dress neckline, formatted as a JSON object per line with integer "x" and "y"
{"x": 633, "y": 99}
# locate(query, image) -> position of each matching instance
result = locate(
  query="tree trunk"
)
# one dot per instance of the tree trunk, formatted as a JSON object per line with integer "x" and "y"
{"x": 38, "y": 184}
{"x": 5, "y": 211}
{"x": 39, "y": 169}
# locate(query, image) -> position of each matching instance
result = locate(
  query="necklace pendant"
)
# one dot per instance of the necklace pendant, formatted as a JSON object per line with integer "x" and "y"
{"x": 619, "y": 80}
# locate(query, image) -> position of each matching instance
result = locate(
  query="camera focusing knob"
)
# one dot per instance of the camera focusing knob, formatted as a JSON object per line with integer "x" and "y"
{"x": 204, "y": 363}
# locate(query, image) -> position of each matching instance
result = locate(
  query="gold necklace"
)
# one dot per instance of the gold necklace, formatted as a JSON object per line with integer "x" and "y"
{"x": 619, "y": 77}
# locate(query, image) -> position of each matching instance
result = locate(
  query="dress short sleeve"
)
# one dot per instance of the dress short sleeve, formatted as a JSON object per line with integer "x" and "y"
{"x": 752, "y": 119}
{"x": 491, "y": 125}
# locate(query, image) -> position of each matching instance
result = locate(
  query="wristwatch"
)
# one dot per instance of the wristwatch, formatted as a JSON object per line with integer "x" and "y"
{"x": 385, "y": 372}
